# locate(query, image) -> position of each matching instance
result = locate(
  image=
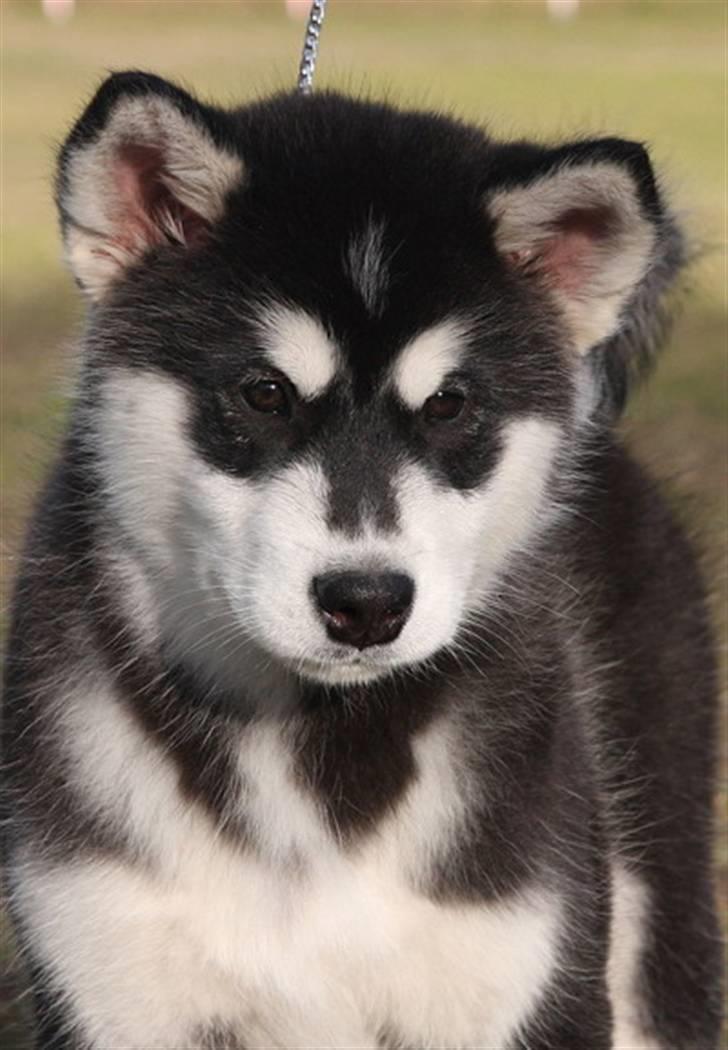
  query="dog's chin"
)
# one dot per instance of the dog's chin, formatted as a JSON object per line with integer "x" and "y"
{"x": 343, "y": 672}
{"x": 358, "y": 668}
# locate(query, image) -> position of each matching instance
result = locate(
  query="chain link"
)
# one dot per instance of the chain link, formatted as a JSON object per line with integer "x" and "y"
{"x": 310, "y": 47}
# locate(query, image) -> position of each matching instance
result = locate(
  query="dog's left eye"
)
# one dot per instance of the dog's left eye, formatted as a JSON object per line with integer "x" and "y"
{"x": 443, "y": 406}
{"x": 267, "y": 395}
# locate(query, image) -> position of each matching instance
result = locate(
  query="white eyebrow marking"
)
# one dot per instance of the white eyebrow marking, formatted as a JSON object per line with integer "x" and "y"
{"x": 425, "y": 361}
{"x": 300, "y": 347}
{"x": 368, "y": 267}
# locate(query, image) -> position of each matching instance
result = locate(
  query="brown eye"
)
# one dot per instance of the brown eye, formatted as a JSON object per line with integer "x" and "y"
{"x": 443, "y": 406}
{"x": 267, "y": 395}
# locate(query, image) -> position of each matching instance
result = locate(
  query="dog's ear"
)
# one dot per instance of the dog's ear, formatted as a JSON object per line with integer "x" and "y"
{"x": 146, "y": 165}
{"x": 583, "y": 221}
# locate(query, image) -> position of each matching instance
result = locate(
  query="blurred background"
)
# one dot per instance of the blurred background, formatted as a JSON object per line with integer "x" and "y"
{"x": 653, "y": 70}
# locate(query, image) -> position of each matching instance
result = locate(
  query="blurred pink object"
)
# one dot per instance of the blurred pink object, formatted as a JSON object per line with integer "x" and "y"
{"x": 58, "y": 10}
{"x": 298, "y": 9}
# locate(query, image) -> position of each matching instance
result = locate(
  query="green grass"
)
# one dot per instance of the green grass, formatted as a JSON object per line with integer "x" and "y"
{"x": 649, "y": 70}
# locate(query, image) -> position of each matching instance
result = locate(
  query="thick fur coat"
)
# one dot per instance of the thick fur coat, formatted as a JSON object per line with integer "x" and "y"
{"x": 360, "y": 690}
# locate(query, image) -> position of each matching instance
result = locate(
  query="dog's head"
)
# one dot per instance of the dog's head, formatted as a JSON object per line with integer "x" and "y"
{"x": 335, "y": 355}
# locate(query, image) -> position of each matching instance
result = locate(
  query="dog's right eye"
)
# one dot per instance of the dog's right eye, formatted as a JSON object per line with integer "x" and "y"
{"x": 267, "y": 395}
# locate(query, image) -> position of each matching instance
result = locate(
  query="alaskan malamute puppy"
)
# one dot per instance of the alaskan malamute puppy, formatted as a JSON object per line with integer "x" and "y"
{"x": 360, "y": 691}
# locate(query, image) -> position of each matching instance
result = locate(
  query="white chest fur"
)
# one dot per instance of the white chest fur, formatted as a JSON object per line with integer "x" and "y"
{"x": 293, "y": 943}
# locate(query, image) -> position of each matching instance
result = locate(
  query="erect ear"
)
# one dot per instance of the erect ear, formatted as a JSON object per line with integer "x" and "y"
{"x": 582, "y": 221}
{"x": 145, "y": 165}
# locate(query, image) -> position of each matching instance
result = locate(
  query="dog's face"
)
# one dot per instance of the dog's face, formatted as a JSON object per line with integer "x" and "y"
{"x": 336, "y": 354}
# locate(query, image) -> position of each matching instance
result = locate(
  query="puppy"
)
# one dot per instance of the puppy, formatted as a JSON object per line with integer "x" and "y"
{"x": 360, "y": 691}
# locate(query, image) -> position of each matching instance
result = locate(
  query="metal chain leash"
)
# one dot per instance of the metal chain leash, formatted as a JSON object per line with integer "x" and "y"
{"x": 310, "y": 47}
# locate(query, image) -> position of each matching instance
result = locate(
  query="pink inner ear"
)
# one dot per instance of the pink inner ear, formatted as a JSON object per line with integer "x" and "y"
{"x": 568, "y": 257}
{"x": 148, "y": 213}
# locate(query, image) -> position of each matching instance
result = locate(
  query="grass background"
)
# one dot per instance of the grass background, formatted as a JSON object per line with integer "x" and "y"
{"x": 647, "y": 69}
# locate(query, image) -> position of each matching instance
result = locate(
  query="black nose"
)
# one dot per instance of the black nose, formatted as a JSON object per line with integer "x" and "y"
{"x": 364, "y": 610}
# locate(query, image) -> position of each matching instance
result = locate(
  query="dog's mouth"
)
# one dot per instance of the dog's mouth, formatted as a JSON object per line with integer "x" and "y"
{"x": 344, "y": 668}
